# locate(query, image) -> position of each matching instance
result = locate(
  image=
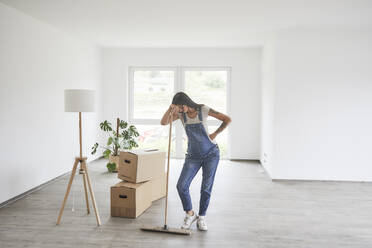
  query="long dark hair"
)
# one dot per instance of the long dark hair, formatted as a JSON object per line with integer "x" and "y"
{"x": 182, "y": 99}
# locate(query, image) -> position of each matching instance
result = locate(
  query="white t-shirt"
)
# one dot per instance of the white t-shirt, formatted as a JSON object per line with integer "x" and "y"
{"x": 204, "y": 111}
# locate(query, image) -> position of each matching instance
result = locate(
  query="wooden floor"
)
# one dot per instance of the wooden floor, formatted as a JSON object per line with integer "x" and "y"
{"x": 247, "y": 209}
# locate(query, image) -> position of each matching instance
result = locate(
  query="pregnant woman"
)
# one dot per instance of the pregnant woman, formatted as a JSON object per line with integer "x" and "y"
{"x": 202, "y": 152}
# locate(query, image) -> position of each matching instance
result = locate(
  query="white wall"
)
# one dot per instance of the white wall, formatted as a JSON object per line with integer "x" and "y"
{"x": 245, "y": 85}
{"x": 267, "y": 103}
{"x": 323, "y": 105}
{"x": 37, "y": 62}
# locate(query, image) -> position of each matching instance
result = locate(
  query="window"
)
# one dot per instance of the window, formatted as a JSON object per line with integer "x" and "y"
{"x": 150, "y": 93}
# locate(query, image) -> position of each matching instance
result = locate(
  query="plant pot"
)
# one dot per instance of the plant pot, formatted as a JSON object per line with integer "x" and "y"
{"x": 114, "y": 159}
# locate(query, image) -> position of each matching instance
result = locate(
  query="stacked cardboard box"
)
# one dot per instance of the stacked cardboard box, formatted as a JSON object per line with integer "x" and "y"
{"x": 144, "y": 181}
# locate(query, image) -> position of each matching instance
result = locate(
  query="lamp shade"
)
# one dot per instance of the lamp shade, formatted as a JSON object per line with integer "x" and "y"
{"x": 79, "y": 100}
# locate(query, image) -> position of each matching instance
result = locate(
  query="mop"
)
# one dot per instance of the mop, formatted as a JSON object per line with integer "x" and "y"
{"x": 165, "y": 228}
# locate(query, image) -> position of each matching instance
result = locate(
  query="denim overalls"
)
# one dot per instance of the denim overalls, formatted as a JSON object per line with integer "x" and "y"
{"x": 201, "y": 152}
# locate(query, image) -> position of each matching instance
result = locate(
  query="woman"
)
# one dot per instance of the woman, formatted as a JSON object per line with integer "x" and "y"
{"x": 202, "y": 151}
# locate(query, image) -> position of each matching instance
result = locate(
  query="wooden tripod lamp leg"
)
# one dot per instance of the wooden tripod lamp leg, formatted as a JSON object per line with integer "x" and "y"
{"x": 91, "y": 193}
{"x": 68, "y": 190}
{"x": 86, "y": 191}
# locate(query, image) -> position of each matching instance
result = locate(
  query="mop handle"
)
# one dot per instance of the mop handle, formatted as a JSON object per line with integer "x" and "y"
{"x": 169, "y": 148}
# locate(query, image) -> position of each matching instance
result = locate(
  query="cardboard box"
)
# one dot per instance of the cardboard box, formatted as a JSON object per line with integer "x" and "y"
{"x": 130, "y": 199}
{"x": 158, "y": 187}
{"x": 141, "y": 165}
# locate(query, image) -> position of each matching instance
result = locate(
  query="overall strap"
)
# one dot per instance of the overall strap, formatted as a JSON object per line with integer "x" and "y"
{"x": 200, "y": 115}
{"x": 184, "y": 117}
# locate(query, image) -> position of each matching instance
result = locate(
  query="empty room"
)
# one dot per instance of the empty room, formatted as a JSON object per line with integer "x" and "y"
{"x": 238, "y": 123}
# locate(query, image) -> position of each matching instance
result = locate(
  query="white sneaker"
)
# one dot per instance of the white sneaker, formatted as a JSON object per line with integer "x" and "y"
{"x": 202, "y": 224}
{"x": 187, "y": 222}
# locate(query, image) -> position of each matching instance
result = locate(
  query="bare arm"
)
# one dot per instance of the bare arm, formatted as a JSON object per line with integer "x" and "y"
{"x": 166, "y": 117}
{"x": 226, "y": 120}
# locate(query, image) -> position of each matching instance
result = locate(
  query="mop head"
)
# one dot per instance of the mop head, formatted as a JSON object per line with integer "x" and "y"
{"x": 165, "y": 229}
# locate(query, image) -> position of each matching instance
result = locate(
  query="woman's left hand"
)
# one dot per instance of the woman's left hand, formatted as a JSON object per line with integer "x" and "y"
{"x": 212, "y": 136}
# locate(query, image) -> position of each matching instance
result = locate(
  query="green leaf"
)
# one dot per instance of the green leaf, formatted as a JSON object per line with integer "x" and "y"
{"x": 109, "y": 141}
{"x": 123, "y": 124}
{"x": 133, "y": 143}
{"x": 125, "y": 134}
{"x": 134, "y": 131}
{"x": 111, "y": 167}
{"x": 106, "y": 153}
{"x": 105, "y": 126}
{"x": 116, "y": 142}
{"x": 94, "y": 148}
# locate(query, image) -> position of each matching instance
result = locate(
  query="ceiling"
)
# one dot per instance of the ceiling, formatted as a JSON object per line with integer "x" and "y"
{"x": 190, "y": 23}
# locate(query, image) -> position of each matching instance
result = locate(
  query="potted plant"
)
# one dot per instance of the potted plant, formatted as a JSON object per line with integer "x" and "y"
{"x": 122, "y": 138}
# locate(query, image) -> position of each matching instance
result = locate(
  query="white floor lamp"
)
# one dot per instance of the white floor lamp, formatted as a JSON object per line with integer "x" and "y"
{"x": 80, "y": 101}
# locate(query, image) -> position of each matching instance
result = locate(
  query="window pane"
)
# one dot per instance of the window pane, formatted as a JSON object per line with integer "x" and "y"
{"x": 153, "y": 91}
{"x": 156, "y": 137}
{"x": 207, "y": 87}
